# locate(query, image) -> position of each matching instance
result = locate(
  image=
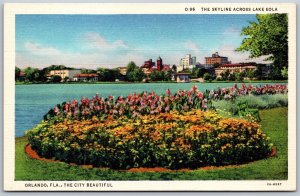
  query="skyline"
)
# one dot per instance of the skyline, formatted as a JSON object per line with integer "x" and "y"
{"x": 91, "y": 41}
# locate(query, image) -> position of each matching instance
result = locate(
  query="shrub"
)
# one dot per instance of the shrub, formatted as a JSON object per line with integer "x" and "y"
{"x": 173, "y": 140}
{"x": 258, "y": 102}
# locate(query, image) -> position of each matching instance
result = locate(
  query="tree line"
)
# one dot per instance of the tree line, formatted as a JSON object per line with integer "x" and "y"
{"x": 133, "y": 74}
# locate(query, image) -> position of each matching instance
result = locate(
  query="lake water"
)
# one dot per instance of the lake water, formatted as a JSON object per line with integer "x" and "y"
{"x": 33, "y": 101}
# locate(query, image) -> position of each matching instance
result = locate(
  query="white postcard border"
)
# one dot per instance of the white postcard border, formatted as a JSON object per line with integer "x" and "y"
{"x": 179, "y": 8}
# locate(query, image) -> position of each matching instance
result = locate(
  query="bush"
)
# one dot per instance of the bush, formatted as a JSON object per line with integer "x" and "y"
{"x": 172, "y": 140}
{"x": 258, "y": 102}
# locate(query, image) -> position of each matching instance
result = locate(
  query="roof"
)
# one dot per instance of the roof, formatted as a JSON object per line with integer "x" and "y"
{"x": 22, "y": 73}
{"x": 211, "y": 57}
{"x": 145, "y": 66}
{"x": 152, "y": 69}
{"x": 85, "y": 75}
{"x": 166, "y": 68}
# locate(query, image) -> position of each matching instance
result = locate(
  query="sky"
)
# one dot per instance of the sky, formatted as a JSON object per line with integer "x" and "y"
{"x": 93, "y": 41}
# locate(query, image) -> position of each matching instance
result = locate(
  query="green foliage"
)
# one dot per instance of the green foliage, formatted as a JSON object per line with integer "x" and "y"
{"x": 108, "y": 74}
{"x": 88, "y": 71}
{"x": 171, "y": 140}
{"x": 197, "y": 72}
{"x": 56, "y": 79}
{"x": 225, "y": 75}
{"x": 268, "y": 36}
{"x": 216, "y": 65}
{"x": 284, "y": 73}
{"x": 17, "y": 73}
{"x": 207, "y": 77}
{"x": 55, "y": 67}
{"x": 160, "y": 76}
{"x": 134, "y": 73}
{"x": 250, "y": 113}
{"x": 66, "y": 79}
{"x": 131, "y": 66}
{"x": 274, "y": 123}
{"x": 239, "y": 77}
{"x": 31, "y": 74}
{"x": 250, "y": 73}
{"x": 257, "y": 102}
{"x": 231, "y": 77}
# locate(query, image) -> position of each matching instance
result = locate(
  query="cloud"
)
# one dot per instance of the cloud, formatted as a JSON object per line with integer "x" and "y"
{"x": 191, "y": 46}
{"x": 95, "y": 40}
{"x": 238, "y": 57}
{"x": 38, "y": 49}
{"x": 40, "y": 56}
{"x": 231, "y": 30}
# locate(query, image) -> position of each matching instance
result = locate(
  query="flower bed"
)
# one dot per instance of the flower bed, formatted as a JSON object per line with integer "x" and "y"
{"x": 171, "y": 140}
{"x": 151, "y": 103}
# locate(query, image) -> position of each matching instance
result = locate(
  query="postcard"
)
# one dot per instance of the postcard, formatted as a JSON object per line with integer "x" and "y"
{"x": 150, "y": 97}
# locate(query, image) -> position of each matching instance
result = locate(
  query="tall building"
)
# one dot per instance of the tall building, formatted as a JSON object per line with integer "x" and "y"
{"x": 159, "y": 64}
{"x": 188, "y": 62}
{"x": 216, "y": 58}
{"x": 194, "y": 61}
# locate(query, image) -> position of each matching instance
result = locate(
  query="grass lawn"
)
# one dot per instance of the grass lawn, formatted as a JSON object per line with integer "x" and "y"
{"x": 274, "y": 124}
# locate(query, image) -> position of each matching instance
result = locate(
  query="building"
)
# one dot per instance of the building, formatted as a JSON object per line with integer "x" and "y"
{"x": 166, "y": 68}
{"x": 188, "y": 62}
{"x": 86, "y": 77}
{"x": 183, "y": 77}
{"x": 22, "y": 75}
{"x": 216, "y": 59}
{"x": 65, "y": 73}
{"x": 149, "y": 66}
{"x": 159, "y": 64}
{"x": 233, "y": 68}
{"x": 122, "y": 70}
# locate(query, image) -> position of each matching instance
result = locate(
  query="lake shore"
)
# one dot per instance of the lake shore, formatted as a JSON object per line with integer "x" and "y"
{"x": 155, "y": 82}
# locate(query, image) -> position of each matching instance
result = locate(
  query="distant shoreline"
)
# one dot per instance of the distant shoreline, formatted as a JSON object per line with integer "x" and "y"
{"x": 215, "y": 82}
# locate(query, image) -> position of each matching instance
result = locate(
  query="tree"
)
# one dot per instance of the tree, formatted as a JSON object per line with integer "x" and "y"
{"x": 17, "y": 73}
{"x": 131, "y": 66}
{"x": 134, "y": 73}
{"x": 197, "y": 72}
{"x": 284, "y": 73}
{"x": 168, "y": 75}
{"x": 55, "y": 79}
{"x": 31, "y": 74}
{"x": 268, "y": 36}
{"x": 216, "y": 65}
{"x": 258, "y": 73}
{"x": 225, "y": 75}
{"x": 239, "y": 76}
{"x": 231, "y": 77}
{"x": 108, "y": 74}
{"x": 157, "y": 75}
{"x": 66, "y": 79}
{"x": 207, "y": 76}
{"x": 88, "y": 71}
{"x": 47, "y": 70}
{"x": 250, "y": 74}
